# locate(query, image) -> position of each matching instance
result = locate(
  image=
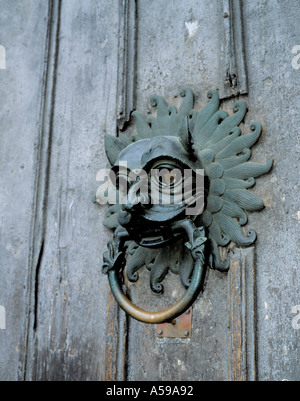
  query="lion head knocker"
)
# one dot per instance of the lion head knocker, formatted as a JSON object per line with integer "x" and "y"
{"x": 183, "y": 235}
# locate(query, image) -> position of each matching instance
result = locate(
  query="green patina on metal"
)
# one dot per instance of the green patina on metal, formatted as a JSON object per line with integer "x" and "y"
{"x": 185, "y": 138}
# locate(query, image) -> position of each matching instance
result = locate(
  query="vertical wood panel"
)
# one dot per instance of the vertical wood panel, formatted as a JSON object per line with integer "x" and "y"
{"x": 127, "y": 61}
{"x": 274, "y": 99}
{"x": 58, "y": 98}
{"x": 116, "y": 345}
{"x": 176, "y": 49}
{"x": 71, "y": 305}
{"x": 241, "y": 316}
{"x": 233, "y": 71}
{"x": 24, "y": 32}
{"x": 38, "y": 224}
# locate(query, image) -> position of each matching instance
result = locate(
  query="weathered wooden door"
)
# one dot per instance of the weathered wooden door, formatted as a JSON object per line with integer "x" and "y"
{"x": 74, "y": 71}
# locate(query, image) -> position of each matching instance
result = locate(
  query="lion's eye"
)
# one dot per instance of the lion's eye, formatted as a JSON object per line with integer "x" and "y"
{"x": 167, "y": 181}
{"x": 168, "y": 177}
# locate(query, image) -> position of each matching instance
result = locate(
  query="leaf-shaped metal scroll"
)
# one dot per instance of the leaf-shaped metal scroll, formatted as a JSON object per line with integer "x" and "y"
{"x": 159, "y": 261}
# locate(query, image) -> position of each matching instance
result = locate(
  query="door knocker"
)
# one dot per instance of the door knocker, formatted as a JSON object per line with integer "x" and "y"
{"x": 165, "y": 236}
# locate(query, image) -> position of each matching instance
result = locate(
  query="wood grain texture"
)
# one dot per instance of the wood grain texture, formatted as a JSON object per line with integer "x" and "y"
{"x": 127, "y": 61}
{"x": 241, "y": 316}
{"x": 274, "y": 96}
{"x": 68, "y": 334}
{"x": 38, "y": 224}
{"x": 24, "y": 33}
{"x": 234, "y": 77}
{"x": 116, "y": 348}
{"x": 112, "y": 336}
{"x": 51, "y": 147}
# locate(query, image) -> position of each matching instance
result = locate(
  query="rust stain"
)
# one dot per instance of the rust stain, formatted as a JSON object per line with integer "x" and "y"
{"x": 73, "y": 352}
{"x": 180, "y": 328}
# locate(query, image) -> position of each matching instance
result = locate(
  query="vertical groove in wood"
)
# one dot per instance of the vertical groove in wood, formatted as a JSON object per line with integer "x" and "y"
{"x": 43, "y": 157}
{"x": 234, "y": 79}
{"x": 116, "y": 348}
{"x": 250, "y": 310}
{"x": 241, "y": 316}
{"x": 116, "y": 320}
{"x": 111, "y": 340}
{"x": 126, "y": 101}
{"x": 122, "y": 371}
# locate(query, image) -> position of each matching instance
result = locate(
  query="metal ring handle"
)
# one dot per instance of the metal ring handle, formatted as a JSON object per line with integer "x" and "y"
{"x": 167, "y": 315}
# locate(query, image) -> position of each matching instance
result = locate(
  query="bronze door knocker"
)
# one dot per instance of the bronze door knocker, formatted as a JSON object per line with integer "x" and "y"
{"x": 167, "y": 236}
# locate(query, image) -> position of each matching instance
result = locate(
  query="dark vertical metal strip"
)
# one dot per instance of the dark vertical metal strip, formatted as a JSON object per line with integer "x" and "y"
{"x": 234, "y": 79}
{"x": 126, "y": 101}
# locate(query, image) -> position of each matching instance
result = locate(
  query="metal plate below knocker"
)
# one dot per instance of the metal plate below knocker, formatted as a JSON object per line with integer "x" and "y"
{"x": 179, "y": 328}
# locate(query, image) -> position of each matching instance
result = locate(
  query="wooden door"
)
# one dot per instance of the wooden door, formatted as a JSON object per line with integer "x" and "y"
{"x": 75, "y": 71}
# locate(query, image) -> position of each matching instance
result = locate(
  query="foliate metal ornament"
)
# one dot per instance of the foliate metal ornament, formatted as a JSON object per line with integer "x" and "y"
{"x": 161, "y": 237}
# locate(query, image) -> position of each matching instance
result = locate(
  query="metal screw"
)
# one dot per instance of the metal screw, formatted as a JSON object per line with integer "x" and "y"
{"x": 160, "y": 332}
{"x": 188, "y": 311}
{"x": 186, "y": 333}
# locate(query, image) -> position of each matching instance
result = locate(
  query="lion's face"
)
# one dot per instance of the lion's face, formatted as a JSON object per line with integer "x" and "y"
{"x": 187, "y": 139}
{"x": 158, "y": 184}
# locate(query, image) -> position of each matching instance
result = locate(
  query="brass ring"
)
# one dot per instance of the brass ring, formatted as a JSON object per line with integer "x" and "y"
{"x": 167, "y": 315}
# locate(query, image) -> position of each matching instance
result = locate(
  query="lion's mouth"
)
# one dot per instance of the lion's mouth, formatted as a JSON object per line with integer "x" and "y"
{"x": 152, "y": 241}
{"x": 152, "y": 227}
{"x": 158, "y": 241}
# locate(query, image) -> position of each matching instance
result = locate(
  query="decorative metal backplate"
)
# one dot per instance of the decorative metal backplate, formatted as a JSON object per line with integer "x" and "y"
{"x": 212, "y": 139}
